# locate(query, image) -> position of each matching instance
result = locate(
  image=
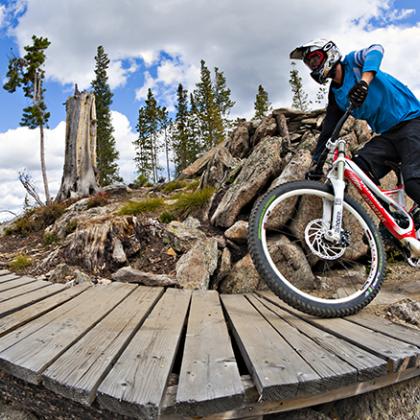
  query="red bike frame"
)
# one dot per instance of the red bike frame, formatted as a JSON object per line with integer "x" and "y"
{"x": 371, "y": 192}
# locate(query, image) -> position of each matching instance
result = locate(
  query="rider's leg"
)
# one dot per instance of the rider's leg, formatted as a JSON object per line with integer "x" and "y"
{"x": 412, "y": 188}
{"x": 372, "y": 156}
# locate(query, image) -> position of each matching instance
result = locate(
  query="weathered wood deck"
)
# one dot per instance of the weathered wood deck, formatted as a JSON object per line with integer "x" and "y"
{"x": 148, "y": 352}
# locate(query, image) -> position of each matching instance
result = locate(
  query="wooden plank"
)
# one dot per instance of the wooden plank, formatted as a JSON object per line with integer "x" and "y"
{"x": 386, "y": 327}
{"x": 332, "y": 370}
{"x": 270, "y": 407}
{"x": 19, "y": 302}
{"x": 79, "y": 371}
{"x": 23, "y": 316}
{"x": 367, "y": 364}
{"x": 18, "y": 291}
{"x": 277, "y": 370}
{"x": 18, "y": 281}
{"x": 136, "y": 384}
{"x": 30, "y": 349}
{"x": 398, "y": 354}
{"x": 7, "y": 277}
{"x": 4, "y": 272}
{"x": 209, "y": 380}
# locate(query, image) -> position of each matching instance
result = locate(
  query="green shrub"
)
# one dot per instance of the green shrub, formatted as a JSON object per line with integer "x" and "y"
{"x": 173, "y": 185}
{"x": 70, "y": 227}
{"x": 20, "y": 262}
{"x": 37, "y": 219}
{"x": 50, "y": 238}
{"x": 98, "y": 200}
{"x": 143, "y": 206}
{"x": 166, "y": 217}
{"x": 141, "y": 181}
{"x": 47, "y": 215}
{"x": 193, "y": 185}
{"x": 189, "y": 202}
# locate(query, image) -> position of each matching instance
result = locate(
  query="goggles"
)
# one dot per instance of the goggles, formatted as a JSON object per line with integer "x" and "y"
{"x": 315, "y": 59}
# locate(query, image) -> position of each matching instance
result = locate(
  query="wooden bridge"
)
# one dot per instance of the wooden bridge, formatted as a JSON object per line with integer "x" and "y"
{"x": 154, "y": 353}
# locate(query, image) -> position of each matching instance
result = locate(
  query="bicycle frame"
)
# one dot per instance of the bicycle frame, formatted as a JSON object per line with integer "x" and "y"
{"x": 344, "y": 168}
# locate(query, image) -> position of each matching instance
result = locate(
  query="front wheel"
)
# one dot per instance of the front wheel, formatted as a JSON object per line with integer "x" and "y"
{"x": 291, "y": 252}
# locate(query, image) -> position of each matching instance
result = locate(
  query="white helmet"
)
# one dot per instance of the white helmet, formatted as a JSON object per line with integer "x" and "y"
{"x": 320, "y": 56}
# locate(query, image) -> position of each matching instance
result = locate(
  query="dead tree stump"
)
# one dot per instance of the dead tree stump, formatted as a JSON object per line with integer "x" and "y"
{"x": 79, "y": 174}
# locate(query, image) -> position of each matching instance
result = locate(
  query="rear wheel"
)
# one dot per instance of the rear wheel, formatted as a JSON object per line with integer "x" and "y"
{"x": 290, "y": 250}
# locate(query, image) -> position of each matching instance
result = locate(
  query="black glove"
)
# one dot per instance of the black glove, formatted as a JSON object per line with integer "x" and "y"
{"x": 358, "y": 93}
{"x": 314, "y": 174}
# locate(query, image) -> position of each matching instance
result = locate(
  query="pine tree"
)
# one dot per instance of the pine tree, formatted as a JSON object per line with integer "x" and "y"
{"x": 194, "y": 132}
{"x": 300, "y": 97}
{"x": 211, "y": 124}
{"x": 321, "y": 95}
{"x": 147, "y": 147}
{"x": 180, "y": 137}
{"x": 222, "y": 96}
{"x": 262, "y": 104}
{"x": 143, "y": 157}
{"x": 165, "y": 128}
{"x": 28, "y": 72}
{"x": 107, "y": 155}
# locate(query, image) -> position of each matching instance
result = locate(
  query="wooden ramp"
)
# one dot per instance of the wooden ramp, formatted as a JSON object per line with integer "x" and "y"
{"x": 153, "y": 353}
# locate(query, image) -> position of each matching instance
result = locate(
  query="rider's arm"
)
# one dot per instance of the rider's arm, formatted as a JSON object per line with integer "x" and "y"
{"x": 334, "y": 113}
{"x": 369, "y": 59}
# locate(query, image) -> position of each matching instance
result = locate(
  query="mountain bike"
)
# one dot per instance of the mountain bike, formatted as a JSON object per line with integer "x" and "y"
{"x": 318, "y": 248}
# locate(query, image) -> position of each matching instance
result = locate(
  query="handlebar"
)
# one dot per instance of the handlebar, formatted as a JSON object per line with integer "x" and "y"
{"x": 333, "y": 137}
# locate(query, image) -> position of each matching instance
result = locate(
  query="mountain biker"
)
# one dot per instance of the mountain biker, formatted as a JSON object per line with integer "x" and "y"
{"x": 388, "y": 106}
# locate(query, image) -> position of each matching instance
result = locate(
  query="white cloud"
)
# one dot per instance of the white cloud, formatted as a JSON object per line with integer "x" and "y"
{"x": 124, "y": 137}
{"x": 249, "y": 40}
{"x": 169, "y": 74}
{"x": 19, "y": 149}
{"x": 2, "y": 14}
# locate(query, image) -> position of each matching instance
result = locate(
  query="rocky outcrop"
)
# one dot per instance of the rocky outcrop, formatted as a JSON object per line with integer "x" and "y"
{"x": 261, "y": 166}
{"x": 209, "y": 249}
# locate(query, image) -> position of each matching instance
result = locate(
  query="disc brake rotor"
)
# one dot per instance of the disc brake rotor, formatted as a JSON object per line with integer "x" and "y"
{"x": 321, "y": 247}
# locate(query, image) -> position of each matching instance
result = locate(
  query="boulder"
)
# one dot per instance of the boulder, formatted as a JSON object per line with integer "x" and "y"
{"x": 193, "y": 269}
{"x": 183, "y": 236}
{"x": 260, "y": 167}
{"x": 238, "y": 143}
{"x": 218, "y": 168}
{"x": 198, "y": 166}
{"x": 131, "y": 275}
{"x": 224, "y": 267}
{"x": 290, "y": 260}
{"x": 267, "y": 128}
{"x": 243, "y": 277}
{"x": 238, "y": 232}
{"x": 296, "y": 169}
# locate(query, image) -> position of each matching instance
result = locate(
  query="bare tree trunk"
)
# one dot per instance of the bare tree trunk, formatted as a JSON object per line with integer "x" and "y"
{"x": 43, "y": 166}
{"x": 167, "y": 154}
{"x": 79, "y": 175}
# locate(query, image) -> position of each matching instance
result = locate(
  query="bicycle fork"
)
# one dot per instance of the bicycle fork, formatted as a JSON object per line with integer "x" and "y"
{"x": 333, "y": 212}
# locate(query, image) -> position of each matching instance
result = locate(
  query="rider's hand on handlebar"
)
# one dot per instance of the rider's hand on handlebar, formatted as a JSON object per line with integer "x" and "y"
{"x": 314, "y": 174}
{"x": 358, "y": 93}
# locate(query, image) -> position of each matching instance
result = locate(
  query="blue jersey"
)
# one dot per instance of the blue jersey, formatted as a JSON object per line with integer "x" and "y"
{"x": 388, "y": 102}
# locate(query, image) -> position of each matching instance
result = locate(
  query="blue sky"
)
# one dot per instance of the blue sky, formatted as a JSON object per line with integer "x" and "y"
{"x": 158, "y": 44}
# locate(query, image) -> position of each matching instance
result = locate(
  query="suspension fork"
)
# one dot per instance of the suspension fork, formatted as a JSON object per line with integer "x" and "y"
{"x": 336, "y": 177}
